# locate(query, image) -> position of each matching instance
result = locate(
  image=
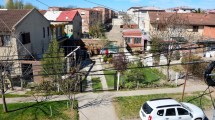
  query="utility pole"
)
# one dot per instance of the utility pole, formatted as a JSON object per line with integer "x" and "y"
{"x": 3, "y": 92}
{"x": 186, "y": 77}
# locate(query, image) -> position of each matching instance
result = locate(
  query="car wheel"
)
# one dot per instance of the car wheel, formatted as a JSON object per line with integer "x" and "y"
{"x": 198, "y": 119}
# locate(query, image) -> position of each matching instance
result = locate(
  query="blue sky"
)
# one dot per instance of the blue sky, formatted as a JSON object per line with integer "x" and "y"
{"x": 124, "y": 4}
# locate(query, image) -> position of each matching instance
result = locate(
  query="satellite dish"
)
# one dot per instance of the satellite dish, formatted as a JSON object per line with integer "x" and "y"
{"x": 209, "y": 79}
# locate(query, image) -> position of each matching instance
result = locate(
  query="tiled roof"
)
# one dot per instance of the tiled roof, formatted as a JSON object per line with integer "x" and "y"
{"x": 132, "y": 32}
{"x": 8, "y": 18}
{"x": 191, "y": 18}
{"x": 67, "y": 15}
{"x": 43, "y": 12}
{"x": 182, "y": 7}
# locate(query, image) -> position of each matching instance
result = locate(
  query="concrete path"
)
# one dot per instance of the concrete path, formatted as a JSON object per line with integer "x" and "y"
{"x": 98, "y": 106}
{"x": 96, "y": 67}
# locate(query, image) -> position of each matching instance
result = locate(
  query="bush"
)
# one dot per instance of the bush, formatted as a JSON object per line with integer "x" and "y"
{"x": 130, "y": 85}
{"x": 197, "y": 69}
{"x": 105, "y": 58}
{"x": 110, "y": 60}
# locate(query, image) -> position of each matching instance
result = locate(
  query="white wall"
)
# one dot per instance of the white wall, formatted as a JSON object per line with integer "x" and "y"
{"x": 34, "y": 23}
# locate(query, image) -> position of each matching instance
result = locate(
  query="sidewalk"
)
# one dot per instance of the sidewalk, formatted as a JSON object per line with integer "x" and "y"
{"x": 98, "y": 106}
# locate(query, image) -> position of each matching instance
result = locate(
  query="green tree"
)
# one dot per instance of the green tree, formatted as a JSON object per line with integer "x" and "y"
{"x": 1, "y": 6}
{"x": 18, "y": 4}
{"x": 10, "y": 4}
{"x": 97, "y": 30}
{"x": 53, "y": 62}
{"x": 28, "y": 6}
{"x": 156, "y": 49}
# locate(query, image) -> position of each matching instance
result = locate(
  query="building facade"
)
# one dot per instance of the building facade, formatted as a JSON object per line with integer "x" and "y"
{"x": 24, "y": 34}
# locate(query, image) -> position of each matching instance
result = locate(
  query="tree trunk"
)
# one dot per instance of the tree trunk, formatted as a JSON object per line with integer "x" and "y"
{"x": 3, "y": 92}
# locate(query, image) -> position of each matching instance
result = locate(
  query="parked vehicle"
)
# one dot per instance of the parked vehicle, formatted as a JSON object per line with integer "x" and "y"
{"x": 170, "y": 109}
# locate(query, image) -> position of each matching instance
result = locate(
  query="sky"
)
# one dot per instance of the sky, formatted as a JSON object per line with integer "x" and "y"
{"x": 121, "y": 4}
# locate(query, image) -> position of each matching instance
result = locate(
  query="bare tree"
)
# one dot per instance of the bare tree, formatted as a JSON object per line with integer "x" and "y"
{"x": 172, "y": 32}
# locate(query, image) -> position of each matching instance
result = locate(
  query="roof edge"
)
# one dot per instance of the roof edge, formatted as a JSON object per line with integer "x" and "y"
{"x": 23, "y": 18}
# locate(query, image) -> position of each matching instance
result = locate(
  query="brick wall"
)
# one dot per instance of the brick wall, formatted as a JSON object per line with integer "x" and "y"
{"x": 209, "y": 32}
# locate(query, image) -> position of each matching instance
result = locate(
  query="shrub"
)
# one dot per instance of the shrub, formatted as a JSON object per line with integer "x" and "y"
{"x": 130, "y": 85}
{"x": 110, "y": 60}
{"x": 197, "y": 69}
{"x": 105, "y": 58}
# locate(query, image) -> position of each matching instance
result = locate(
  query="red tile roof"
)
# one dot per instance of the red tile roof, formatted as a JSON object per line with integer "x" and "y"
{"x": 132, "y": 32}
{"x": 191, "y": 18}
{"x": 43, "y": 12}
{"x": 9, "y": 18}
{"x": 67, "y": 15}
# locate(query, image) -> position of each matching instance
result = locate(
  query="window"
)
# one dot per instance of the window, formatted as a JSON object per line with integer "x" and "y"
{"x": 161, "y": 27}
{"x": 48, "y": 30}
{"x": 160, "y": 112}
{"x": 82, "y": 13}
{"x": 195, "y": 28}
{"x": 147, "y": 109}
{"x": 128, "y": 39}
{"x": 44, "y": 33}
{"x": 25, "y": 38}
{"x": 137, "y": 40}
{"x": 4, "y": 40}
{"x": 170, "y": 112}
{"x": 182, "y": 111}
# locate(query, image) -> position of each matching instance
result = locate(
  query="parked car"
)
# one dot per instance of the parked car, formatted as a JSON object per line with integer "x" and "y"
{"x": 170, "y": 109}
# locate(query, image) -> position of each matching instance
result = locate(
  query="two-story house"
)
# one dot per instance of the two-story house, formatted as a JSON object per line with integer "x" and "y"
{"x": 24, "y": 36}
{"x": 65, "y": 24}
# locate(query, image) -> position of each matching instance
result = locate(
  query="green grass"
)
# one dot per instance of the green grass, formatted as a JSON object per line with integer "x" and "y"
{"x": 150, "y": 76}
{"x": 128, "y": 107}
{"x": 96, "y": 84}
{"x": 14, "y": 95}
{"x": 40, "y": 111}
{"x": 110, "y": 78}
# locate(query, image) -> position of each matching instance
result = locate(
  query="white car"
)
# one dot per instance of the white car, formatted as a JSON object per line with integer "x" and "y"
{"x": 170, "y": 109}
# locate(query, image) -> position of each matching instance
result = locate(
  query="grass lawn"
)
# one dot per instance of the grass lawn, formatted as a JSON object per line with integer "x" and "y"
{"x": 96, "y": 84}
{"x": 110, "y": 78}
{"x": 128, "y": 107}
{"x": 150, "y": 75}
{"x": 14, "y": 95}
{"x": 39, "y": 111}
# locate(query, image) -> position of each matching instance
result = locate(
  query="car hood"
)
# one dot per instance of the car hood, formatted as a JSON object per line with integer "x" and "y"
{"x": 196, "y": 111}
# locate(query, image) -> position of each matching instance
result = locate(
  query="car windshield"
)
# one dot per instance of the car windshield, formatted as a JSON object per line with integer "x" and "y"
{"x": 147, "y": 109}
{"x": 186, "y": 107}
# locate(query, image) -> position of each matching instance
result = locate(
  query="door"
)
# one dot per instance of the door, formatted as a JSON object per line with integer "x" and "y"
{"x": 183, "y": 114}
{"x": 171, "y": 114}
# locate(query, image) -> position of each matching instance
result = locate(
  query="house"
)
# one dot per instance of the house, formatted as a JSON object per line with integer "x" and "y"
{"x": 140, "y": 15}
{"x": 73, "y": 23}
{"x": 195, "y": 23}
{"x": 135, "y": 39}
{"x": 65, "y": 24}
{"x": 24, "y": 35}
{"x": 181, "y": 9}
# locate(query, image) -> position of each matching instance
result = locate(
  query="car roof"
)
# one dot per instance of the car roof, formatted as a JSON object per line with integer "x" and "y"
{"x": 163, "y": 102}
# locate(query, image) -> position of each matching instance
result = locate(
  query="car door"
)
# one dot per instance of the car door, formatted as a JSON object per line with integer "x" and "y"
{"x": 183, "y": 114}
{"x": 170, "y": 114}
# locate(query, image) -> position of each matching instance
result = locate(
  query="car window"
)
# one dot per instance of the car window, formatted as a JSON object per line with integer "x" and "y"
{"x": 182, "y": 111}
{"x": 170, "y": 112}
{"x": 160, "y": 112}
{"x": 147, "y": 109}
